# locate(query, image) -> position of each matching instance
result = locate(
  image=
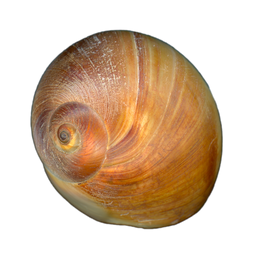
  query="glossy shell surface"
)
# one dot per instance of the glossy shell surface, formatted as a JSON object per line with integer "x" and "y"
{"x": 127, "y": 130}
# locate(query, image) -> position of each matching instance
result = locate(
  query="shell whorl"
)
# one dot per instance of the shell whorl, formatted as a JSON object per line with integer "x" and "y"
{"x": 73, "y": 144}
{"x": 125, "y": 125}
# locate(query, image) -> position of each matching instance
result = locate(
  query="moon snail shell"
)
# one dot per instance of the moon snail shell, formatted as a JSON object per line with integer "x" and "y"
{"x": 127, "y": 130}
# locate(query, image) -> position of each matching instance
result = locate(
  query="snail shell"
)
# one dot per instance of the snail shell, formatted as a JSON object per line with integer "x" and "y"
{"x": 127, "y": 130}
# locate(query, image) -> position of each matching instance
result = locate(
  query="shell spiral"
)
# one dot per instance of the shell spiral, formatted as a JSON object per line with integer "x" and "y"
{"x": 127, "y": 130}
{"x": 74, "y": 144}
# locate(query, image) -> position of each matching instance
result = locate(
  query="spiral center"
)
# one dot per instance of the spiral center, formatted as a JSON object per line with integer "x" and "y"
{"x": 64, "y": 137}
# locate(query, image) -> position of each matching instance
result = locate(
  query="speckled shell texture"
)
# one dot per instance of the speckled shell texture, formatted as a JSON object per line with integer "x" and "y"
{"x": 144, "y": 131}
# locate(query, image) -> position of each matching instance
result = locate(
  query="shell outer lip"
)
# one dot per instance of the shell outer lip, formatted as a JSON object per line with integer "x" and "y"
{"x": 210, "y": 88}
